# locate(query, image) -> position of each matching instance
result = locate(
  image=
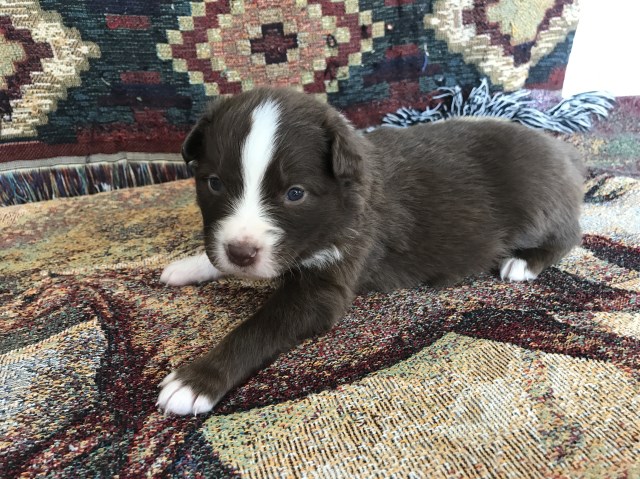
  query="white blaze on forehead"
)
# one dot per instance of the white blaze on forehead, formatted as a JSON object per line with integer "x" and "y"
{"x": 257, "y": 153}
{"x": 250, "y": 222}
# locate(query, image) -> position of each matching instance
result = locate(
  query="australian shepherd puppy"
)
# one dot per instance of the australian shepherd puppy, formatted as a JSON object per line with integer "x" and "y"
{"x": 289, "y": 190}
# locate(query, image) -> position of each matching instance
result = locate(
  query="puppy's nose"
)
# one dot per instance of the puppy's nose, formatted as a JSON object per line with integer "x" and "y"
{"x": 242, "y": 254}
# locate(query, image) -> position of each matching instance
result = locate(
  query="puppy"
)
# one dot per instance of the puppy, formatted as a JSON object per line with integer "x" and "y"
{"x": 289, "y": 190}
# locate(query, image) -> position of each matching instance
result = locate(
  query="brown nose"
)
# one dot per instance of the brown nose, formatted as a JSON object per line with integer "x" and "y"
{"x": 242, "y": 254}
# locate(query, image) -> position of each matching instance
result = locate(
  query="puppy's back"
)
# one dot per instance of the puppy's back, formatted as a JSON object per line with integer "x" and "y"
{"x": 475, "y": 190}
{"x": 514, "y": 164}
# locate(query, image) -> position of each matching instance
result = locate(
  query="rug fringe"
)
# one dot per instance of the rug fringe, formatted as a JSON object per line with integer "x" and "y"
{"x": 574, "y": 114}
{"x": 39, "y": 184}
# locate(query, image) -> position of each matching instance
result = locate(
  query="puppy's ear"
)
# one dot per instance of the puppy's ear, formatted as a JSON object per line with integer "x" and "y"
{"x": 193, "y": 146}
{"x": 347, "y": 147}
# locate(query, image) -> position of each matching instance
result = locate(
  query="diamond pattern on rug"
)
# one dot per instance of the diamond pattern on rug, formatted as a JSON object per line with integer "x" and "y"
{"x": 231, "y": 47}
{"x": 504, "y": 38}
{"x": 39, "y": 59}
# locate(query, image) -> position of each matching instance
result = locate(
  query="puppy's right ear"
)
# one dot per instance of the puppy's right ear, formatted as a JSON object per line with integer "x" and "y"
{"x": 193, "y": 146}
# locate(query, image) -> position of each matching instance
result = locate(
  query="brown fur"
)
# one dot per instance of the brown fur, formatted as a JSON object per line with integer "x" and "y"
{"x": 428, "y": 204}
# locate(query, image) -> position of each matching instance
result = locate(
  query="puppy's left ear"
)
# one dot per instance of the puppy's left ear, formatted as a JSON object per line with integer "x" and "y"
{"x": 348, "y": 147}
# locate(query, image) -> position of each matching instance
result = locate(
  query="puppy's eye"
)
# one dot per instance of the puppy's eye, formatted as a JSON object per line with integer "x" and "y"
{"x": 295, "y": 194}
{"x": 215, "y": 184}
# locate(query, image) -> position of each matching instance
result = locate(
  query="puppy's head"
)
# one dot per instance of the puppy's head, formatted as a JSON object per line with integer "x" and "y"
{"x": 280, "y": 180}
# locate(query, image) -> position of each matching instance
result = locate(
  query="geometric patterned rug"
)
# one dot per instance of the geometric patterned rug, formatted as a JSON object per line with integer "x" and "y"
{"x": 99, "y": 94}
{"x": 480, "y": 379}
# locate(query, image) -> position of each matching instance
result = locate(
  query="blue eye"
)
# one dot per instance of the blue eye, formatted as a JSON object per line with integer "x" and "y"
{"x": 215, "y": 184}
{"x": 295, "y": 194}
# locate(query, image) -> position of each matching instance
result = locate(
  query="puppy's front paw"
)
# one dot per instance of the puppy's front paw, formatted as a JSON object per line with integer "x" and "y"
{"x": 190, "y": 390}
{"x": 191, "y": 270}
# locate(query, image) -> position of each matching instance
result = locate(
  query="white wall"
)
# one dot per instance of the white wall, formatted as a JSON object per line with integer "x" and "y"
{"x": 606, "y": 49}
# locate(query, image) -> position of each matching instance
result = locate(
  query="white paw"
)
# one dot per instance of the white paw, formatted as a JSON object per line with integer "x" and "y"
{"x": 180, "y": 399}
{"x": 191, "y": 270}
{"x": 515, "y": 269}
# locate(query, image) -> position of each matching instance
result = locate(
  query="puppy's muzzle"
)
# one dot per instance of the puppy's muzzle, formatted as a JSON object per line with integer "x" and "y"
{"x": 241, "y": 254}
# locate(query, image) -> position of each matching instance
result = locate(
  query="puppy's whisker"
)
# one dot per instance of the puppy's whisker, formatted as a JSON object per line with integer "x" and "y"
{"x": 287, "y": 258}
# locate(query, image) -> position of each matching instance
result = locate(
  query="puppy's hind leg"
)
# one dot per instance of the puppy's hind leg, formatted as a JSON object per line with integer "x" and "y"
{"x": 527, "y": 263}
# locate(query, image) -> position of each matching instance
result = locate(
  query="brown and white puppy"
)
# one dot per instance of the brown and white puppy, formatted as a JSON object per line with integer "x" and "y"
{"x": 289, "y": 190}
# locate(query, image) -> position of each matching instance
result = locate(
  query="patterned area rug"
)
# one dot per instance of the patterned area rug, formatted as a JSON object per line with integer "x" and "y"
{"x": 99, "y": 94}
{"x": 483, "y": 379}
